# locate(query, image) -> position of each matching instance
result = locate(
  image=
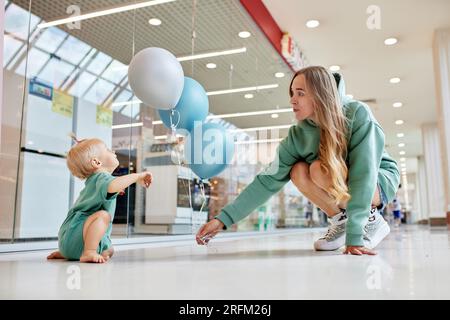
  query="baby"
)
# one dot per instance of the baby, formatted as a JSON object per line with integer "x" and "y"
{"x": 85, "y": 234}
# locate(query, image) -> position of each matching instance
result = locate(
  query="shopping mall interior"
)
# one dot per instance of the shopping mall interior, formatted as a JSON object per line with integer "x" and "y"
{"x": 63, "y": 60}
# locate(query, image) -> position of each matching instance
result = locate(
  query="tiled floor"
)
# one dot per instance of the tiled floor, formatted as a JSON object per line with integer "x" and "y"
{"x": 412, "y": 263}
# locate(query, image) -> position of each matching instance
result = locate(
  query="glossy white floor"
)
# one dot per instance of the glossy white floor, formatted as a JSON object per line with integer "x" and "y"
{"x": 412, "y": 263}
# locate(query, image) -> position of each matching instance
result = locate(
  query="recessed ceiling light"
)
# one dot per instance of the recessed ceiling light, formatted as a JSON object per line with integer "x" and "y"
{"x": 335, "y": 68}
{"x": 101, "y": 13}
{"x": 397, "y": 104}
{"x": 390, "y": 41}
{"x": 258, "y": 88}
{"x": 402, "y": 153}
{"x": 399, "y": 122}
{"x": 350, "y": 96}
{"x": 247, "y": 114}
{"x": 154, "y": 22}
{"x": 279, "y": 75}
{"x": 401, "y": 145}
{"x": 394, "y": 80}
{"x": 212, "y": 54}
{"x": 258, "y": 141}
{"x": 400, "y": 135}
{"x": 402, "y": 159}
{"x": 215, "y": 116}
{"x": 211, "y": 65}
{"x": 284, "y": 126}
{"x": 275, "y": 116}
{"x": 244, "y": 34}
{"x": 248, "y": 96}
{"x": 312, "y": 24}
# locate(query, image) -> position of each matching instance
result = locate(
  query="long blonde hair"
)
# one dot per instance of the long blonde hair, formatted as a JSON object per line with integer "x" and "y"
{"x": 333, "y": 128}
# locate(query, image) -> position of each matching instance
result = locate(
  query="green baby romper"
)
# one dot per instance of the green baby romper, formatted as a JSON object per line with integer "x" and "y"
{"x": 94, "y": 197}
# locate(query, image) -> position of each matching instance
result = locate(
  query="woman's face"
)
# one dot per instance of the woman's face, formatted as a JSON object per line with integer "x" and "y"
{"x": 301, "y": 100}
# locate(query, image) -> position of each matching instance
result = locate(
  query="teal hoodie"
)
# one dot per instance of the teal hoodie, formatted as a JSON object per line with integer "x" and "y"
{"x": 367, "y": 160}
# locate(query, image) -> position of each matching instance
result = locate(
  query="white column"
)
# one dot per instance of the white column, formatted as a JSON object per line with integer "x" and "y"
{"x": 422, "y": 191}
{"x": 441, "y": 59}
{"x": 434, "y": 172}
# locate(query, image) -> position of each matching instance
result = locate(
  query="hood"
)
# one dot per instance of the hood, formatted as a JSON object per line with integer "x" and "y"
{"x": 341, "y": 87}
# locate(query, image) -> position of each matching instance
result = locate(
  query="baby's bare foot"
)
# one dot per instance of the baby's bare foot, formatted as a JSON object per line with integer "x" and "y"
{"x": 92, "y": 256}
{"x": 107, "y": 254}
{"x": 55, "y": 255}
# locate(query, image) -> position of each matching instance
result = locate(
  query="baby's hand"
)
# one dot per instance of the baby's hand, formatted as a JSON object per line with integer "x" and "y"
{"x": 145, "y": 179}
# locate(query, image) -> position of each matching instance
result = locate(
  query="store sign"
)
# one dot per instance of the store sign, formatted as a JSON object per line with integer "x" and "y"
{"x": 104, "y": 116}
{"x": 292, "y": 53}
{"x": 62, "y": 103}
{"x": 40, "y": 89}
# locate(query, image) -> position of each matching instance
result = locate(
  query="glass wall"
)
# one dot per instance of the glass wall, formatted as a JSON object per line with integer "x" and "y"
{"x": 72, "y": 77}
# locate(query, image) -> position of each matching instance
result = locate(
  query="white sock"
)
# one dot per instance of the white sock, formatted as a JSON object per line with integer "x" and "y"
{"x": 374, "y": 214}
{"x": 340, "y": 218}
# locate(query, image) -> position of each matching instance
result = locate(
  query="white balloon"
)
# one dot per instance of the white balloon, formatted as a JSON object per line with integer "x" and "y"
{"x": 157, "y": 78}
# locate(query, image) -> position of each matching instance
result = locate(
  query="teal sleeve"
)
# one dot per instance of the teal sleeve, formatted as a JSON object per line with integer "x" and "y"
{"x": 364, "y": 155}
{"x": 102, "y": 185}
{"x": 265, "y": 184}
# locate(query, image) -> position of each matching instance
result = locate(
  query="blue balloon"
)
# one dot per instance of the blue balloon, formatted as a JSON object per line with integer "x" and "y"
{"x": 192, "y": 106}
{"x": 209, "y": 149}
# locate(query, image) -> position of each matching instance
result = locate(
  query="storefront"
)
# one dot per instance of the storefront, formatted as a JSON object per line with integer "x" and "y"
{"x": 72, "y": 77}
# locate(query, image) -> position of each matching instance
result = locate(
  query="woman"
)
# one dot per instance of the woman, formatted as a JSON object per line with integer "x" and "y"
{"x": 335, "y": 156}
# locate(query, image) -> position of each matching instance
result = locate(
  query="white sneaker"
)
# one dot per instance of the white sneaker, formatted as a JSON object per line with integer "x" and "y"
{"x": 376, "y": 229}
{"x": 335, "y": 236}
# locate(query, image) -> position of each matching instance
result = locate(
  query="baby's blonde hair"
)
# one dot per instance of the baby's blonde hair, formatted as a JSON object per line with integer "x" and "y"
{"x": 80, "y": 156}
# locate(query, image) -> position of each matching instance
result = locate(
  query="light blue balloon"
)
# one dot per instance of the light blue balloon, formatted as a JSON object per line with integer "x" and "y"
{"x": 209, "y": 149}
{"x": 192, "y": 106}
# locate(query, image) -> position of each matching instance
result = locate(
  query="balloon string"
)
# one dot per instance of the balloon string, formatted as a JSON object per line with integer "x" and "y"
{"x": 173, "y": 126}
{"x": 230, "y": 78}
{"x": 257, "y": 75}
{"x": 187, "y": 186}
{"x": 133, "y": 49}
{"x": 194, "y": 34}
{"x": 202, "y": 189}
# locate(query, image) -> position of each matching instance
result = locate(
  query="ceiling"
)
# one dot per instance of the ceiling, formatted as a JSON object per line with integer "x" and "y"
{"x": 342, "y": 38}
{"x": 217, "y": 26}
{"x": 367, "y": 64}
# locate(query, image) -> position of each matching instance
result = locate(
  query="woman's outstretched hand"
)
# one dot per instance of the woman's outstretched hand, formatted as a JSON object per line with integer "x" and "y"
{"x": 208, "y": 231}
{"x": 358, "y": 251}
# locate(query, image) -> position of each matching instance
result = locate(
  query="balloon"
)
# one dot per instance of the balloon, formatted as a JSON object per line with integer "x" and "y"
{"x": 209, "y": 149}
{"x": 192, "y": 106}
{"x": 156, "y": 77}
